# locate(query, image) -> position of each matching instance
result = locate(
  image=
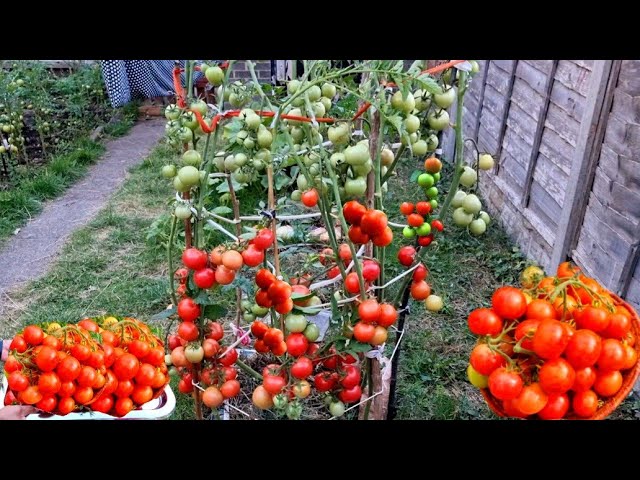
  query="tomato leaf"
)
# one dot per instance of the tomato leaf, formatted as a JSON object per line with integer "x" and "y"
{"x": 396, "y": 122}
{"x": 307, "y": 310}
{"x": 282, "y": 180}
{"x": 415, "y": 175}
{"x": 301, "y": 296}
{"x": 203, "y": 298}
{"x": 162, "y": 315}
{"x": 357, "y": 347}
{"x": 428, "y": 83}
{"x": 213, "y": 312}
{"x": 221, "y": 210}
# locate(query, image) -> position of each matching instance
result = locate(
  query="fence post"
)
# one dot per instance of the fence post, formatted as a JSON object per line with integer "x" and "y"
{"x": 588, "y": 145}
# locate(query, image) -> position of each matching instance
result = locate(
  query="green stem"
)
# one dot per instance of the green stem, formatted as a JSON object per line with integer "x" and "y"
{"x": 172, "y": 236}
{"x": 189, "y": 75}
{"x": 254, "y": 77}
{"x": 369, "y": 377}
{"x": 345, "y": 229}
{"x": 248, "y": 370}
{"x": 459, "y": 156}
{"x": 394, "y": 163}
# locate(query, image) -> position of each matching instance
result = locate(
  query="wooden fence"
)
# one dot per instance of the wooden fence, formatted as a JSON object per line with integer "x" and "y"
{"x": 566, "y": 138}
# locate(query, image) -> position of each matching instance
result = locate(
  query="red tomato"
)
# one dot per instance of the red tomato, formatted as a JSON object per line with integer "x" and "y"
{"x": 125, "y": 367}
{"x": 188, "y": 331}
{"x": 592, "y": 318}
{"x": 273, "y": 383}
{"x": 204, "y": 278}
{"x": 310, "y": 198}
{"x": 607, "y": 383}
{"x": 406, "y": 255}
{"x": 33, "y": 335}
{"x": 230, "y": 388}
{"x": 556, "y": 408}
{"x": 302, "y": 368}
{"x": 19, "y": 344}
{"x": 585, "y": 378}
{"x": 351, "y": 377}
{"x": 406, "y": 208}
{"x": 374, "y": 222}
{"x": 531, "y": 400}
{"x": 188, "y": 310}
{"x": 264, "y": 239}
{"x": 252, "y": 256}
{"x": 194, "y": 259}
{"x": 264, "y": 278}
{"x": 350, "y": 395}
{"x": 484, "y": 360}
{"x": 364, "y": 332}
{"x": 541, "y": 309}
{"x": 357, "y": 236}
{"x": 504, "y": 384}
{"x": 388, "y": 315}
{"x": 556, "y": 376}
{"x": 370, "y": 270}
{"x": 420, "y": 273}
{"x": 369, "y": 310}
{"x": 583, "y": 349}
{"x": 550, "y": 339}
{"x": 484, "y": 321}
{"x": 279, "y": 291}
{"x": 351, "y": 283}
{"x": 229, "y": 358}
{"x": 423, "y": 208}
{"x": 585, "y": 403}
{"x": 47, "y": 359}
{"x": 325, "y": 381}
{"x": 353, "y": 212}
{"x": 297, "y": 344}
{"x": 509, "y": 303}
{"x": 612, "y": 355}
{"x": 420, "y": 290}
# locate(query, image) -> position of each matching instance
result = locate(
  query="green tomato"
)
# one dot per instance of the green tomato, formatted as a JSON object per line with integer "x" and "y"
{"x": 431, "y": 192}
{"x": 339, "y": 135}
{"x": 438, "y": 120}
{"x": 240, "y": 159}
{"x": 485, "y": 162}
{"x": 199, "y": 106}
{"x": 477, "y": 380}
{"x": 265, "y": 138}
{"x": 329, "y": 90}
{"x": 357, "y": 154}
{"x": 314, "y": 302}
{"x": 215, "y": 75}
{"x": 475, "y": 68}
{"x": 241, "y": 177}
{"x": 172, "y": 112}
{"x": 336, "y": 409}
{"x": 462, "y": 218}
{"x": 423, "y": 100}
{"x": 230, "y": 164}
{"x": 434, "y": 204}
{"x": 311, "y": 332}
{"x": 253, "y": 121}
{"x": 426, "y": 180}
{"x": 419, "y": 148}
{"x": 445, "y": 99}
{"x": 437, "y": 176}
{"x": 458, "y": 198}
{"x": 477, "y": 227}
{"x": 337, "y": 159}
{"x": 296, "y": 195}
{"x": 280, "y": 401}
{"x": 168, "y": 171}
{"x": 408, "y": 232}
{"x": 434, "y": 303}
{"x": 294, "y": 410}
{"x": 249, "y": 143}
{"x": 364, "y": 169}
{"x": 355, "y": 187}
{"x": 484, "y": 216}
{"x": 292, "y": 86}
{"x": 189, "y": 176}
{"x": 469, "y": 177}
{"x": 314, "y": 93}
{"x": 189, "y": 120}
{"x": 182, "y": 212}
{"x": 471, "y": 204}
{"x": 326, "y": 102}
{"x": 264, "y": 155}
{"x": 424, "y": 230}
{"x": 318, "y": 109}
{"x": 192, "y": 157}
{"x": 248, "y": 317}
{"x": 295, "y": 323}
{"x": 185, "y": 135}
{"x": 259, "y": 311}
{"x": 411, "y": 123}
{"x": 246, "y": 304}
{"x": 432, "y": 142}
{"x": 179, "y": 186}
{"x": 302, "y": 183}
{"x": 403, "y": 104}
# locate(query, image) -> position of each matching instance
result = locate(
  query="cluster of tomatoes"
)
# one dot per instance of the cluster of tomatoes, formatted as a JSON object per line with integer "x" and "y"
{"x": 370, "y": 268}
{"x": 367, "y": 225}
{"x": 341, "y": 377}
{"x": 420, "y": 289}
{"x": 108, "y": 366}
{"x": 273, "y": 292}
{"x": 560, "y": 348}
{"x": 374, "y": 318}
{"x": 217, "y": 372}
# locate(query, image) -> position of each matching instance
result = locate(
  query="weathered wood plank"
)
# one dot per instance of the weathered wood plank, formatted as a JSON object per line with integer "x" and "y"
{"x": 493, "y": 102}
{"x": 544, "y": 66}
{"x": 533, "y": 77}
{"x": 518, "y": 147}
{"x": 557, "y": 149}
{"x": 478, "y": 114}
{"x": 499, "y": 79}
{"x": 537, "y": 136}
{"x": 541, "y": 229}
{"x": 629, "y": 80}
{"x": 627, "y": 201}
{"x": 626, "y": 107}
{"x": 544, "y": 205}
{"x": 633, "y": 295}
{"x": 527, "y": 99}
{"x": 521, "y": 123}
{"x": 505, "y": 114}
{"x": 602, "y": 84}
{"x": 568, "y": 100}
{"x": 551, "y": 178}
{"x": 562, "y": 124}
{"x": 574, "y": 77}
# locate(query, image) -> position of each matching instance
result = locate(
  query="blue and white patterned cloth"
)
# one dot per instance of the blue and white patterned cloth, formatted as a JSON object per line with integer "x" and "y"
{"x": 130, "y": 79}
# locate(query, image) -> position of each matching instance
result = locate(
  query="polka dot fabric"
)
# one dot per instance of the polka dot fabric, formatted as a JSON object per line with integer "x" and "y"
{"x": 130, "y": 79}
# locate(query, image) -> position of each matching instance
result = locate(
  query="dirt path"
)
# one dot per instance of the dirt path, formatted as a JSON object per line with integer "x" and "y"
{"x": 28, "y": 255}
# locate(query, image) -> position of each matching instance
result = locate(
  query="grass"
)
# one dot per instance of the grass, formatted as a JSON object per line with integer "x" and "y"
{"x": 32, "y": 186}
{"x": 117, "y": 264}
